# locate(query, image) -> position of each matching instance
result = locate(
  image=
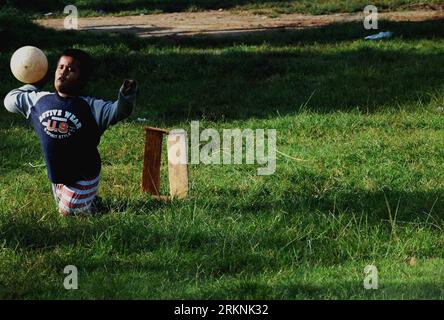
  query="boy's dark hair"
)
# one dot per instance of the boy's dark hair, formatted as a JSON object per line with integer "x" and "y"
{"x": 84, "y": 59}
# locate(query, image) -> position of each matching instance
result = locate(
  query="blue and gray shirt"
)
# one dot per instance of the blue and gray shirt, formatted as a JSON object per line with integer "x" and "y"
{"x": 69, "y": 128}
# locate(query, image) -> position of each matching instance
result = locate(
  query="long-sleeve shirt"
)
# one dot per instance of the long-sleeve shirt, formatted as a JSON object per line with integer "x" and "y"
{"x": 69, "y": 128}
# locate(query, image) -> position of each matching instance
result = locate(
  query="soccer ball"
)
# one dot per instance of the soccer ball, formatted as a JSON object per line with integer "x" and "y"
{"x": 29, "y": 64}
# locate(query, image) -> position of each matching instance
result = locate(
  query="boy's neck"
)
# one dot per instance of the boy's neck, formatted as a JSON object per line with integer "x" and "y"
{"x": 64, "y": 95}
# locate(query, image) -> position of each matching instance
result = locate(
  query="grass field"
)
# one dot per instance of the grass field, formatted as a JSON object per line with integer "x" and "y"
{"x": 363, "y": 117}
{"x": 272, "y": 7}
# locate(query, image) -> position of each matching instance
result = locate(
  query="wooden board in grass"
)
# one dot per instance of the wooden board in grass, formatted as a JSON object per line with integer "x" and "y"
{"x": 151, "y": 160}
{"x": 178, "y": 163}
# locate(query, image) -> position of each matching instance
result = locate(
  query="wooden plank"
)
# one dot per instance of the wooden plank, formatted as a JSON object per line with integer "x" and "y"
{"x": 156, "y": 129}
{"x": 178, "y": 163}
{"x": 151, "y": 161}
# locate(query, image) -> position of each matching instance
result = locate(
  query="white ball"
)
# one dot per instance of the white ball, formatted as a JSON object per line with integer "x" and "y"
{"x": 29, "y": 64}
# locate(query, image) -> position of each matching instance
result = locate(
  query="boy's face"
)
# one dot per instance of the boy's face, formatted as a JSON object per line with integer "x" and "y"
{"x": 67, "y": 76}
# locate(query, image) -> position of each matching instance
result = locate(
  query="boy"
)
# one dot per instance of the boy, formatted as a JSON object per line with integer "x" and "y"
{"x": 69, "y": 127}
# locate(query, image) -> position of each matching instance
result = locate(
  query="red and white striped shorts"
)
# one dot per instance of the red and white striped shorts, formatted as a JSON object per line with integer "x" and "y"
{"x": 76, "y": 198}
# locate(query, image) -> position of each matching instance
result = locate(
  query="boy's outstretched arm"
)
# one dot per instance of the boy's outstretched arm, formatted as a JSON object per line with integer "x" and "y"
{"x": 108, "y": 113}
{"x": 21, "y": 100}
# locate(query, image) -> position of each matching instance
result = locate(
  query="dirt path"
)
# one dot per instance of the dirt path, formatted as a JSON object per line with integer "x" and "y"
{"x": 224, "y": 22}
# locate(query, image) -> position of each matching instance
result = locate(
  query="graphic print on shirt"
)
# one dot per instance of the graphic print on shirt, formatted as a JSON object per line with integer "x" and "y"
{"x": 59, "y": 124}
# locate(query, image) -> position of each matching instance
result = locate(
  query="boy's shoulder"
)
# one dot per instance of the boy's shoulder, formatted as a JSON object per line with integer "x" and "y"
{"x": 23, "y": 99}
{"x": 95, "y": 102}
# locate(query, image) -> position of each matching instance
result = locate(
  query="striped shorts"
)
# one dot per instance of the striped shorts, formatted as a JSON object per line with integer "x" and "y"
{"x": 76, "y": 198}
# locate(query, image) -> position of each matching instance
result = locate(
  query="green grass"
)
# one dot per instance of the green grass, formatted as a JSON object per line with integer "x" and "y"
{"x": 370, "y": 189}
{"x": 270, "y": 7}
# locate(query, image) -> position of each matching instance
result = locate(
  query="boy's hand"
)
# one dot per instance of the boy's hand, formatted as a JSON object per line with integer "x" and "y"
{"x": 129, "y": 87}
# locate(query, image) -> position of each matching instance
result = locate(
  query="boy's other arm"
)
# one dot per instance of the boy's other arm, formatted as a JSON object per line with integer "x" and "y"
{"x": 108, "y": 113}
{"x": 21, "y": 100}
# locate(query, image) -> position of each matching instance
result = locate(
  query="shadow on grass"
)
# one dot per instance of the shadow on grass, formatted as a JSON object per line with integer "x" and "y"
{"x": 334, "y": 33}
{"x": 124, "y": 286}
{"x": 26, "y": 233}
{"x": 402, "y": 206}
{"x": 177, "y": 87}
{"x": 417, "y": 208}
{"x": 330, "y": 290}
{"x": 138, "y": 207}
